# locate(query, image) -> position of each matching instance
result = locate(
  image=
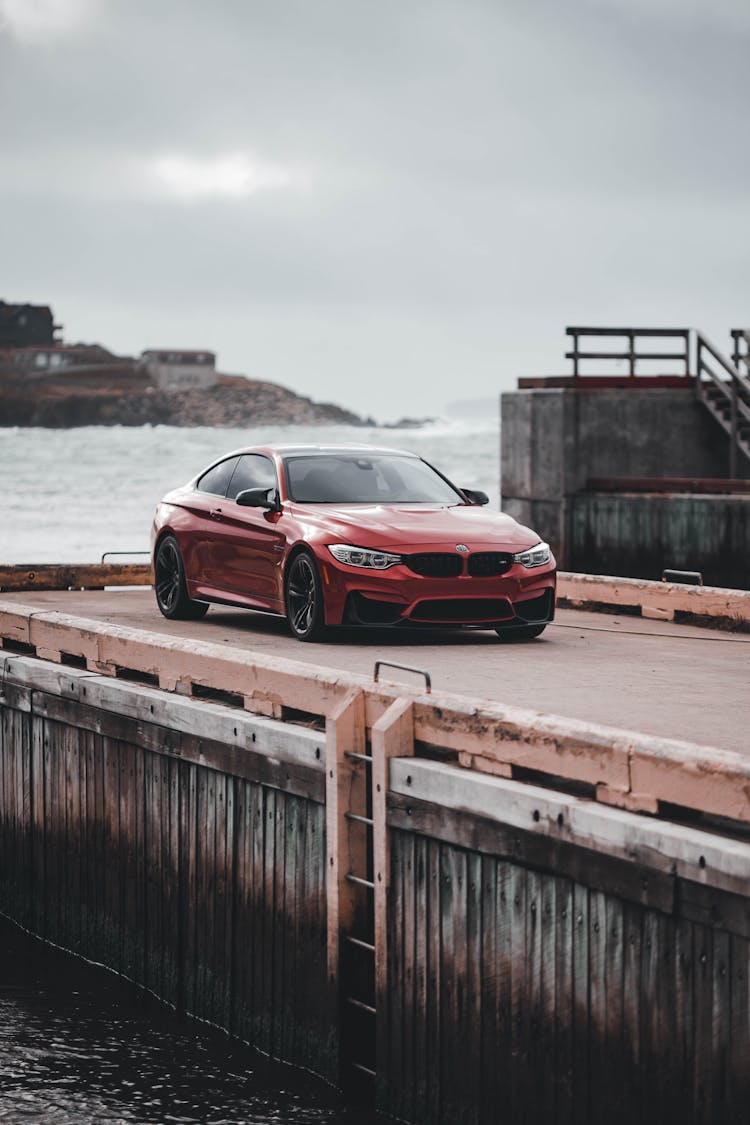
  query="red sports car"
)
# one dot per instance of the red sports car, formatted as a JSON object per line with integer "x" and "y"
{"x": 347, "y": 535}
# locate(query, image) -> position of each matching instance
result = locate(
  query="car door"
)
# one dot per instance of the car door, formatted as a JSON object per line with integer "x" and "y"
{"x": 199, "y": 548}
{"x": 251, "y": 546}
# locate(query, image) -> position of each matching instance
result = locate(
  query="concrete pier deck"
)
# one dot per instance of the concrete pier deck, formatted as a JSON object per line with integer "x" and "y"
{"x": 654, "y": 677}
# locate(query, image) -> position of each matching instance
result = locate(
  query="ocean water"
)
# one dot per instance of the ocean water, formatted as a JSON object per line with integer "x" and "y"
{"x": 72, "y": 495}
{"x": 81, "y": 1046}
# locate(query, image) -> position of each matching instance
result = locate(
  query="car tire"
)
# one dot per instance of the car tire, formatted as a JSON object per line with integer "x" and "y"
{"x": 521, "y": 632}
{"x": 169, "y": 584}
{"x": 303, "y": 597}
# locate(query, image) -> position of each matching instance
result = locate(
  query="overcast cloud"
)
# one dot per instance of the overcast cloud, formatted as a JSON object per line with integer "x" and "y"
{"x": 391, "y": 205}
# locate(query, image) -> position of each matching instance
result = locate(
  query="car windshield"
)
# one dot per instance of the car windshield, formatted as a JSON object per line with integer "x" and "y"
{"x": 352, "y": 478}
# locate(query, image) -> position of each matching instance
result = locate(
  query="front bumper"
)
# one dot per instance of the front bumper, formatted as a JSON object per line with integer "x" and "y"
{"x": 398, "y": 597}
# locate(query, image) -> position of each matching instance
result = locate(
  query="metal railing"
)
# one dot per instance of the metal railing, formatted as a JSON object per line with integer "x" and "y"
{"x": 627, "y": 349}
{"x": 741, "y": 350}
{"x": 725, "y": 390}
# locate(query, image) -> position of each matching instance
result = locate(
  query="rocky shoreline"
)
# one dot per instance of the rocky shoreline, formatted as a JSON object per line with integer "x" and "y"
{"x": 92, "y": 398}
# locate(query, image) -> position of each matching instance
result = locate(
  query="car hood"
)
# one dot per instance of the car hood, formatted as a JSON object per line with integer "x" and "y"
{"x": 402, "y": 527}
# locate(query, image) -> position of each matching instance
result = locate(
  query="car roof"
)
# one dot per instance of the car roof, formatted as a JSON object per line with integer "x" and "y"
{"x": 343, "y": 447}
{"x": 317, "y": 450}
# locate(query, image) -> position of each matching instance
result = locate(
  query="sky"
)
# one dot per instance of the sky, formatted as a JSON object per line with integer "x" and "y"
{"x": 393, "y": 205}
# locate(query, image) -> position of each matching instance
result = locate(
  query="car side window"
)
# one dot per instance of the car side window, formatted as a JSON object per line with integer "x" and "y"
{"x": 253, "y": 470}
{"x": 217, "y": 479}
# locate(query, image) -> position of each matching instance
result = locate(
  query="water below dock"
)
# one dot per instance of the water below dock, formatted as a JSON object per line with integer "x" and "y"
{"x": 79, "y": 1044}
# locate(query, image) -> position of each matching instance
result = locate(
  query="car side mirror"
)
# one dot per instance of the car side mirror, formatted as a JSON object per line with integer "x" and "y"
{"x": 258, "y": 498}
{"x": 474, "y": 496}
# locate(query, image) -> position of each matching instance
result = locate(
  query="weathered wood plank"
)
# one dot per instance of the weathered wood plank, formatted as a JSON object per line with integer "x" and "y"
{"x": 230, "y": 876}
{"x": 154, "y": 914}
{"x": 422, "y": 1076}
{"x": 296, "y": 966}
{"x": 615, "y": 1070}
{"x": 38, "y": 827}
{"x": 518, "y": 1000}
{"x": 243, "y": 882}
{"x": 278, "y": 828}
{"x": 683, "y": 1020}
{"x": 258, "y": 912}
{"x": 112, "y": 909}
{"x": 472, "y": 1038}
{"x": 739, "y": 1035}
{"x": 392, "y": 736}
{"x": 581, "y": 1005}
{"x": 626, "y": 879}
{"x": 391, "y": 1094}
{"x": 547, "y": 1048}
{"x": 268, "y": 915}
{"x": 564, "y": 1013}
{"x": 631, "y": 1037}
{"x": 324, "y": 1044}
{"x": 452, "y": 967}
{"x": 663, "y": 846}
{"x": 720, "y": 1026}
{"x": 532, "y": 1023}
{"x": 435, "y": 983}
{"x": 345, "y": 792}
{"x": 599, "y": 1093}
{"x": 408, "y": 977}
{"x": 189, "y": 884}
{"x": 76, "y": 576}
{"x": 304, "y": 779}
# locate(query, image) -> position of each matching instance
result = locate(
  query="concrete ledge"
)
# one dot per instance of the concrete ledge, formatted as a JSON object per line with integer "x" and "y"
{"x": 667, "y": 601}
{"x": 623, "y": 768}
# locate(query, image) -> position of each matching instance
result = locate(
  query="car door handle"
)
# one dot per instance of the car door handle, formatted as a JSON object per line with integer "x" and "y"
{"x": 215, "y": 514}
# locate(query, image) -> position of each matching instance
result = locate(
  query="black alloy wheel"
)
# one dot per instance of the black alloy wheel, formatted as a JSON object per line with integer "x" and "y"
{"x": 521, "y": 632}
{"x": 169, "y": 584}
{"x": 304, "y": 599}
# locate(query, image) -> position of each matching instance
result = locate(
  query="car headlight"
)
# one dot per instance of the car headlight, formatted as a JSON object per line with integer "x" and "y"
{"x": 361, "y": 556}
{"x": 535, "y": 556}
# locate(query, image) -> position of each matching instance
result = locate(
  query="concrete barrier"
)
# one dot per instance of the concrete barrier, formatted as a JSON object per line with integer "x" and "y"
{"x": 666, "y": 601}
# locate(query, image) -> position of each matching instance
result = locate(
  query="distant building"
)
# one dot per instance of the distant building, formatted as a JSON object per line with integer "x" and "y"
{"x": 48, "y": 360}
{"x": 23, "y": 326}
{"x": 170, "y": 369}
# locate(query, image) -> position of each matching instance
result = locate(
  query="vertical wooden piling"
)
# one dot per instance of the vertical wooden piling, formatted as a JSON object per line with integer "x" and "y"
{"x": 346, "y": 791}
{"x": 392, "y": 737}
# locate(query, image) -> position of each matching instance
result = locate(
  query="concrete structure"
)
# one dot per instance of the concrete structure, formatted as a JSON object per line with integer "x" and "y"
{"x": 555, "y": 440}
{"x": 171, "y": 369}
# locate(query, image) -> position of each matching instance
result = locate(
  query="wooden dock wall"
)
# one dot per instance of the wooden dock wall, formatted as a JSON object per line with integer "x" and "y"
{"x": 492, "y": 950}
{"x": 535, "y": 979}
{"x": 180, "y": 844}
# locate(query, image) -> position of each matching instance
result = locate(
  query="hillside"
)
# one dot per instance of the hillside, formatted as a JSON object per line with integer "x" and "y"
{"x": 117, "y": 395}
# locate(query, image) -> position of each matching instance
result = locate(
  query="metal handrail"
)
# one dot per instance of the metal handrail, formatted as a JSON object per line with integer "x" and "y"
{"x": 631, "y": 353}
{"x": 741, "y": 336}
{"x": 735, "y": 390}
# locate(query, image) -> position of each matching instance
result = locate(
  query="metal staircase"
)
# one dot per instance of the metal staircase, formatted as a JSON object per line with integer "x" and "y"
{"x": 724, "y": 390}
